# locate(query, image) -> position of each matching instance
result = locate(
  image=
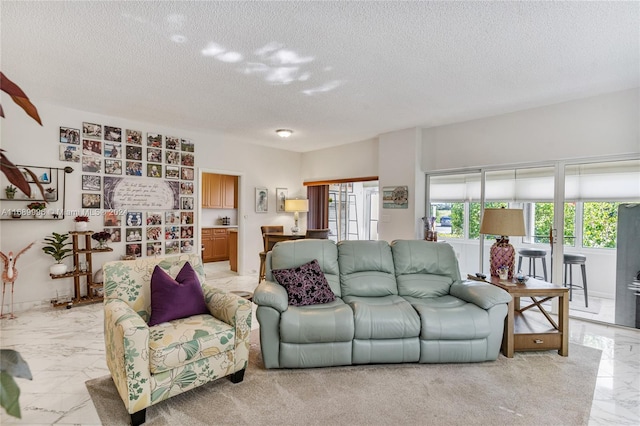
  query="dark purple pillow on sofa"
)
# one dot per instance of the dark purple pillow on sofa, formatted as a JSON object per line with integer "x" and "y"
{"x": 305, "y": 284}
{"x": 173, "y": 299}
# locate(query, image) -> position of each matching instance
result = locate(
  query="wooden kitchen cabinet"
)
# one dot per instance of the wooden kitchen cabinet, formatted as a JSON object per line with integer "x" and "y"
{"x": 207, "y": 242}
{"x": 233, "y": 250}
{"x": 219, "y": 191}
{"x": 216, "y": 244}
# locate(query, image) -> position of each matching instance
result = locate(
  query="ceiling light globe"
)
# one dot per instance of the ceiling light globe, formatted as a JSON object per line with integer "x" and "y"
{"x": 284, "y": 133}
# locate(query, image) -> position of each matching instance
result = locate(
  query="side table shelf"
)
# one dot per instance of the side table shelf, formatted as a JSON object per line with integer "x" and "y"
{"x": 92, "y": 294}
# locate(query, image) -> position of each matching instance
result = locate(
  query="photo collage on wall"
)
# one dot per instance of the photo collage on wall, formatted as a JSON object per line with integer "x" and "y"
{"x": 106, "y": 150}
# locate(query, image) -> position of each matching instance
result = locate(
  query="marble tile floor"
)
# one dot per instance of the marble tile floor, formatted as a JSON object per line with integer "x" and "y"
{"x": 65, "y": 348}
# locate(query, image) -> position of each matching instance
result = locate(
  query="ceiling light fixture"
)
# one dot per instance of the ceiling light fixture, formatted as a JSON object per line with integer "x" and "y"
{"x": 284, "y": 133}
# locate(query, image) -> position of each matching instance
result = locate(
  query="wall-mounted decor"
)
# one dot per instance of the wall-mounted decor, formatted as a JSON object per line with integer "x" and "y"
{"x": 69, "y": 135}
{"x": 91, "y": 130}
{"x": 281, "y": 195}
{"x": 70, "y": 153}
{"x": 91, "y": 164}
{"x": 154, "y": 170}
{"x": 172, "y": 217}
{"x": 262, "y": 200}
{"x": 134, "y": 137}
{"x": 133, "y": 168}
{"x": 171, "y": 142}
{"x": 395, "y": 197}
{"x": 186, "y": 188}
{"x": 154, "y": 249}
{"x": 154, "y": 140}
{"x": 186, "y": 246}
{"x": 154, "y": 218}
{"x": 134, "y": 250}
{"x": 91, "y": 201}
{"x": 172, "y": 157}
{"x": 187, "y": 203}
{"x": 186, "y": 173}
{"x": 91, "y": 147}
{"x": 171, "y": 247}
{"x": 112, "y": 150}
{"x": 91, "y": 183}
{"x": 133, "y": 234}
{"x": 113, "y": 167}
{"x": 112, "y": 218}
{"x": 154, "y": 233}
{"x": 112, "y": 134}
{"x": 172, "y": 172}
{"x": 186, "y": 145}
{"x": 134, "y": 153}
{"x": 140, "y": 193}
{"x": 116, "y": 236}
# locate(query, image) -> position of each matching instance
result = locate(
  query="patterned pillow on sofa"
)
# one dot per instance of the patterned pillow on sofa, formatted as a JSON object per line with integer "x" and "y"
{"x": 305, "y": 284}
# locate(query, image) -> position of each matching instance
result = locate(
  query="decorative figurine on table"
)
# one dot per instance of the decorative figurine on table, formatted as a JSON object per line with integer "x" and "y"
{"x": 10, "y": 275}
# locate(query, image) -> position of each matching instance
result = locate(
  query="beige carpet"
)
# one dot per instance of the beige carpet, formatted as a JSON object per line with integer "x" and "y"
{"x": 532, "y": 388}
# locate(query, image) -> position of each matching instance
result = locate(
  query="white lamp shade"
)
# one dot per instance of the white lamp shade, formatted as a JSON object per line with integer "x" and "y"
{"x": 296, "y": 205}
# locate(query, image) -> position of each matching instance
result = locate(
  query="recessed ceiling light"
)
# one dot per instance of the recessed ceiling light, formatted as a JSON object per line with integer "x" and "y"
{"x": 284, "y": 133}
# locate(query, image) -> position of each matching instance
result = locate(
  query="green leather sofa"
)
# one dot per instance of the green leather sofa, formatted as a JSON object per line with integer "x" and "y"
{"x": 398, "y": 302}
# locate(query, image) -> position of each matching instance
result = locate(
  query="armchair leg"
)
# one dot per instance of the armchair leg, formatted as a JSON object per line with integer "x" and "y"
{"x": 139, "y": 417}
{"x": 237, "y": 377}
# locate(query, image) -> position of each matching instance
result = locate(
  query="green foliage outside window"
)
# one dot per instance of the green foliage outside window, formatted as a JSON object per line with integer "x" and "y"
{"x": 543, "y": 218}
{"x": 600, "y": 225}
{"x": 474, "y": 217}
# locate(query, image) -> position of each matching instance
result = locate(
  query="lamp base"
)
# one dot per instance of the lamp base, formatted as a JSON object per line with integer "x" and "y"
{"x": 502, "y": 254}
{"x": 295, "y": 229}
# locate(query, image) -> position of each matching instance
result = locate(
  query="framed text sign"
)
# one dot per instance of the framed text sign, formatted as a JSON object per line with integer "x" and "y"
{"x": 136, "y": 193}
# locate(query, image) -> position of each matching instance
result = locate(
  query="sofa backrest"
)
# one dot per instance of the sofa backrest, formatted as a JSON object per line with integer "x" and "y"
{"x": 366, "y": 269}
{"x": 424, "y": 268}
{"x": 130, "y": 280}
{"x": 290, "y": 254}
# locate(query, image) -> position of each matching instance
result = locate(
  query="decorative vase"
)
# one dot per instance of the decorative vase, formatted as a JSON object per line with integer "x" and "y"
{"x": 58, "y": 269}
{"x": 50, "y": 196}
{"x": 10, "y": 195}
{"x": 81, "y": 226}
{"x": 102, "y": 244}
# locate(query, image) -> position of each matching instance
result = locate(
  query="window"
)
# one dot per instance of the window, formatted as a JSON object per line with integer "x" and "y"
{"x": 599, "y": 224}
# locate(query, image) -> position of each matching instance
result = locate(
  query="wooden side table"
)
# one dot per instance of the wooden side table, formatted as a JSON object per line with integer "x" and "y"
{"x": 527, "y": 333}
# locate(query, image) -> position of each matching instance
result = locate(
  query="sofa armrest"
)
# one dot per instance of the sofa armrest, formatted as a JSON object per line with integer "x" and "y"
{"x": 127, "y": 349}
{"x": 482, "y": 294}
{"x": 271, "y": 294}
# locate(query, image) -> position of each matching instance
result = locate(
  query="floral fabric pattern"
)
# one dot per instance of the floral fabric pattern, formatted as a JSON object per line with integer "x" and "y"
{"x": 305, "y": 284}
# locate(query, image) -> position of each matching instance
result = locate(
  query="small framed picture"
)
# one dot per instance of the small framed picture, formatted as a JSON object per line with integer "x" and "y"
{"x": 186, "y": 145}
{"x": 133, "y": 234}
{"x": 186, "y": 203}
{"x": 262, "y": 200}
{"x": 187, "y": 159}
{"x": 186, "y": 246}
{"x": 134, "y": 218}
{"x": 172, "y": 172}
{"x": 172, "y": 142}
{"x": 91, "y": 147}
{"x": 91, "y": 130}
{"x": 134, "y": 153}
{"x": 171, "y": 247}
{"x": 70, "y": 153}
{"x": 154, "y": 140}
{"x": 69, "y": 135}
{"x": 116, "y": 237}
{"x": 172, "y": 157}
{"x": 113, "y": 167}
{"x": 134, "y": 168}
{"x": 154, "y": 155}
{"x": 112, "y": 218}
{"x": 186, "y": 188}
{"x": 112, "y": 150}
{"x": 186, "y": 218}
{"x": 154, "y": 233}
{"x": 171, "y": 232}
{"x": 91, "y": 201}
{"x": 91, "y": 164}
{"x": 154, "y": 249}
{"x": 91, "y": 183}
{"x": 154, "y": 218}
{"x": 134, "y": 137}
{"x": 172, "y": 217}
{"x": 154, "y": 170}
{"x": 281, "y": 195}
{"x": 112, "y": 134}
{"x": 186, "y": 173}
{"x": 134, "y": 250}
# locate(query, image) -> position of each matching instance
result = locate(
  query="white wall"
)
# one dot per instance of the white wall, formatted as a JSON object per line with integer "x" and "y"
{"x": 28, "y": 143}
{"x": 358, "y": 159}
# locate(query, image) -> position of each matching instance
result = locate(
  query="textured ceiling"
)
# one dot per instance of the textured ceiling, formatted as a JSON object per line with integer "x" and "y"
{"x": 334, "y": 72}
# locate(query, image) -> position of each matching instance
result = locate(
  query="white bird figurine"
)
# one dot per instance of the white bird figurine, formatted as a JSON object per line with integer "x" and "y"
{"x": 10, "y": 275}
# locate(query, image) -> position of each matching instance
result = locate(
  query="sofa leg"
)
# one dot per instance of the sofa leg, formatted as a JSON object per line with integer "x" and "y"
{"x": 138, "y": 417}
{"x": 237, "y": 377}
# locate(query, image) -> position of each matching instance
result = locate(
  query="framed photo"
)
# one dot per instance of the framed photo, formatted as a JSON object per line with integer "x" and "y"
{"x": 91, "y": 183}
{"x": 154, "y": 140}
{"x": 171, "y": 232}
{"x": 171, "y": 247}
{"x": 91, "y": 130}
{"x": 187, "y": 160}
{"x": 154, "y": 249}
{"x": 134, "y": 137}
{"x": 112, "y": 134}
{"x": 172, "y": 142}
{"x": 154, "y": 170}
{"x": 69, "y": 135}
{"x": 91, "y": 164}
{"x": 134, "y": 153}
{"x": 112, "y": 218}
{"x": 186, "y": 188}
{"x": 154, "y": 233}
{"x": 134, "y": 250}
{"x": 186, "y": 232}
{"x": 172, "y": 218}
{"x": 186, "y": 145}
{"x": 186, "y": 246}
{"x": 154, "y": 218}
{"x": 91, "y": 201}
{"x": 172, "y": 157}
{"x": 154, "y": 155}
{"x": 281, "y": 195}
{"x": 113, "y": 167}
{"x": 262, "y": 200}
{"x": 186, "y": 203}
{"x": 186, "y": 218}
{"x": 133, "y": 234}
{"x": 186, "y": 173}
{"x": 134, "y": 218}
{"x": 112, "y": 150}
{"x": 134, "y": 168}
{"x": 395, "y": 197}
{"x": 115, "y": 234}
{"x": 70, "y": 153}
{"x": 90, "y": 147}
{"x": 172, "y": 172}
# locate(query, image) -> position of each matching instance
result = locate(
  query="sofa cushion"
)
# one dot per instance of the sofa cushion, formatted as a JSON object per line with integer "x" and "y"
{"x": 387, "y": 317}
{"x": 173, "y": 299}
{"x": 305, "y": 284}
{"x": 366, "y": 269}
{"x": 183, "y": 341}
{"x": 449, "y": 318}
{"x": 289, "y": 254}
{"x": 329, "y": 322}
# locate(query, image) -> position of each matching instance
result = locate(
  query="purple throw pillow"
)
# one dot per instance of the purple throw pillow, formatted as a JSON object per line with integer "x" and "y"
{"x": 305, "y": 284}
{"x": 173, "y": 299}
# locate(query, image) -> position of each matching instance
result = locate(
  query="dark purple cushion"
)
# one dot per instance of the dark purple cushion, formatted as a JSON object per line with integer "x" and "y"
{"x": 173, "y": 299}
{"x": 305, "y": 284}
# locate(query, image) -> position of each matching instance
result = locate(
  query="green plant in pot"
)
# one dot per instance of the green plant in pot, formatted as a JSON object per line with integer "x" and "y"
{"x": 10, "y": 191}
{"x": 56, "y": 246}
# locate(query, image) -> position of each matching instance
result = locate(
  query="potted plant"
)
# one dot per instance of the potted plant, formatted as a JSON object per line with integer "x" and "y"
{"x": 101, "y": 237}
{"x": 82, "y": 223}
{"x": 10, "y": 191}
{"x": 50, "y": 194}
{"x": 37, "y": 209}
{"x": 56, "y": 246}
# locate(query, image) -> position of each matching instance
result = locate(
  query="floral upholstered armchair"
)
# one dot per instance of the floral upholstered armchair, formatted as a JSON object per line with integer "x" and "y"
{"x": 152, "y": 363}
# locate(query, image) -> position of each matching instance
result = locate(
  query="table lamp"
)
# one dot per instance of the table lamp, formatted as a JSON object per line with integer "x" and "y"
{"x": 296, "y": 206}
{"x": 502, "y": 223}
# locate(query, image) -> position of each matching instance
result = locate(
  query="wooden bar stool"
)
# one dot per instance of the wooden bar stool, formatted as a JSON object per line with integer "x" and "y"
{"x": 569, "y": 261}
{"x": 533, "y": 254}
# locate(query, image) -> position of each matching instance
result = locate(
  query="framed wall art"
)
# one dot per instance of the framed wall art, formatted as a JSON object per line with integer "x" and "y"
{"x": 262, "y": 200}
{"x": 281, "y": 195}
{"x": 395, "y": 197}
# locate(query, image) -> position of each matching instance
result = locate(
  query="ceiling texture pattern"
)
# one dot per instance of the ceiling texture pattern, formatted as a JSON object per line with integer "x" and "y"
{"x": 334, "y": 72}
